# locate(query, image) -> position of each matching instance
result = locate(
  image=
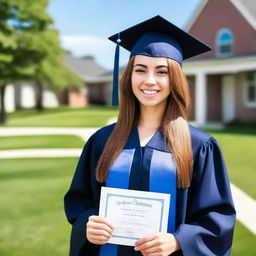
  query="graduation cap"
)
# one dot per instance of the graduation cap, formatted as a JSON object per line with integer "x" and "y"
{"x": 155, "y": 37}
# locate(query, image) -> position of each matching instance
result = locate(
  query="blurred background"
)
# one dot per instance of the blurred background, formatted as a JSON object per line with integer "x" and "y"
{"x": 56, "y": 67}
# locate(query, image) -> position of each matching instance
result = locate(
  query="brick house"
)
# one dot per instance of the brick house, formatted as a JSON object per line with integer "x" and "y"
{"x": 96, "y": 89}
{"x": 223, "y": 81}
{"x": 97, "y": 83}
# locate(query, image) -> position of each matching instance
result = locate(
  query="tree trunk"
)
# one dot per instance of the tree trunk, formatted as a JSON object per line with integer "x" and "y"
{"x": 39, "y": 96}
{"x": 2, "y": 110}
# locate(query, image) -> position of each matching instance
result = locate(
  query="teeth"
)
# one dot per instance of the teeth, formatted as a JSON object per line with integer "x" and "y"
{"x": 149, "y": 92}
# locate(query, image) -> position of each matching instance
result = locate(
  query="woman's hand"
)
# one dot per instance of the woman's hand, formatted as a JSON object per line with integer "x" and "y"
{"x": 98, "y": 230}
{"x": 159, "y": 244}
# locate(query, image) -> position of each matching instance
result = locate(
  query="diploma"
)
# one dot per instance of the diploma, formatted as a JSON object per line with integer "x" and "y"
{"x": 134, "y": 214}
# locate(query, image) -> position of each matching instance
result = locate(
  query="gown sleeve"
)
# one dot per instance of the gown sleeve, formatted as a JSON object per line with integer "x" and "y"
{"x": 210, "y": 216}
{"x": 78, "y": 201}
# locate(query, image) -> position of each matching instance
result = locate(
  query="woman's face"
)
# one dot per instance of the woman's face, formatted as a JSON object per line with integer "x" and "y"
{"x": 150, "y": 80}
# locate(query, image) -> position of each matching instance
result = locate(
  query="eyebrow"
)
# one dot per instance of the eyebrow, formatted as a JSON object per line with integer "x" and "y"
{"x": 144, "y": 66}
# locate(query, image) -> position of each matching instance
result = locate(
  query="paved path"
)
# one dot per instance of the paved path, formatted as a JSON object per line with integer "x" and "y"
{"x": 84, "y": 133}
{"x": 245, "y": 205}
{"x": 245, "y": 208}
{"x": 37, "y": 153}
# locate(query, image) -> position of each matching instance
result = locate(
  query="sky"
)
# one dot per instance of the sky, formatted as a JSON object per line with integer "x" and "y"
{"x": 85, "y": 25}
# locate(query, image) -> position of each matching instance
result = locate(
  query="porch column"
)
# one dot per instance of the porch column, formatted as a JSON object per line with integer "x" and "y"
{"x": 9, "y": 99}
{"x": 200, "y": 99}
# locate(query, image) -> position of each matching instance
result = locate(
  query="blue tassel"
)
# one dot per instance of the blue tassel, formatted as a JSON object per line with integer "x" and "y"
{"x": 115, "y": 101}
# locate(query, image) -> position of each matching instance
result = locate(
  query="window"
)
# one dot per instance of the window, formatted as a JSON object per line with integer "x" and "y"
{"x": 224, "y": 43}
{"x": 250, "y": 94}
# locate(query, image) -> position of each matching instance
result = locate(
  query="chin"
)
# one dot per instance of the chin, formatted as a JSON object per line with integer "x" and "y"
{"x": 150, "y": 104}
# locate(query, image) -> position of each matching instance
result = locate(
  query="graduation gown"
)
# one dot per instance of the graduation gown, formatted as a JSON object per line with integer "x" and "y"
{"x": 205, "y": 214}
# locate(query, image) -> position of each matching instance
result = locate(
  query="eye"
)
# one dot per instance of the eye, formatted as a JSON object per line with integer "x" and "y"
{"x": 139, "y": 71}
{"x": 162, "y": 72}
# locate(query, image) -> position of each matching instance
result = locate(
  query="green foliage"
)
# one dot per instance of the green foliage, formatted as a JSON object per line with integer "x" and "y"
{"x": 30, "y": 48}
{"x": 30, "y": 15}
{"x": 8, "y": 43}
{"x": 55, "y": 73}
{"x": 39, "y": 55}
{"x": 19, "y": 47}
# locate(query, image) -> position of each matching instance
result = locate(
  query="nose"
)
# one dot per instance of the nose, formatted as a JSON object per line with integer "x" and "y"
{"x": 150, "y": 79}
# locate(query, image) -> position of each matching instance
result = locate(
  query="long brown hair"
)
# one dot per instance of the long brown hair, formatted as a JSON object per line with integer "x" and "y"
{"x": 174, "y": 124}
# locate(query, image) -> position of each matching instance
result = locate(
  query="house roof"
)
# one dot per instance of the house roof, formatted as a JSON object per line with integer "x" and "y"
{"x": 110, "y": 72}
{"x": 195, "y": 14}
{"x": 248, "y": 10}
{"x": 246, "y": 7}
{"x": 85, "y": 67}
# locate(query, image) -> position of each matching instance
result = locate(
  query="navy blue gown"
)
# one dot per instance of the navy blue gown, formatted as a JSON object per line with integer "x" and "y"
{"x": 205, "y": 214}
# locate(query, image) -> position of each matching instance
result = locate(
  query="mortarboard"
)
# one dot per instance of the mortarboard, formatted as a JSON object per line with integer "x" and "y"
{"x": 155, "y": 37}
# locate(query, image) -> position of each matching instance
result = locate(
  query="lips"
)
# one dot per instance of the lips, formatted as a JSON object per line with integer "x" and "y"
{"x": 149, "y": 92}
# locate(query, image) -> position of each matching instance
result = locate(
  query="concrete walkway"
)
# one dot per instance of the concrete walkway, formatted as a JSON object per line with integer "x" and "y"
{"x": 37, "y": 153}
{"x": 245, "y": 208}
{"x": 245, "y": 205}
{"x": 84, "y": 133}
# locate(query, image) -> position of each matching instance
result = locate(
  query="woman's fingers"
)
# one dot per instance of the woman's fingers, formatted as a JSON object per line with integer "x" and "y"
{"x": 98, "y": 238}
{"x": 147, "y": 247}
{"x": 100, "y": 226}
{"x": 99, "y": 219}
{"x": 159, "y": 244}
{"x": 145, "y": 242}
{"x": 98, "y": 230}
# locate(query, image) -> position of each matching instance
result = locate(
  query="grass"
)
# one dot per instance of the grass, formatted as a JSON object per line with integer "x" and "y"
{"x": 31, "y": 206}
{"x": 31, "y": 210}
{"x": 43, "y": 141}
{"x": 239, "y": 151}
{"x": 244, "y": 241}
{"x": 91, "y": 116}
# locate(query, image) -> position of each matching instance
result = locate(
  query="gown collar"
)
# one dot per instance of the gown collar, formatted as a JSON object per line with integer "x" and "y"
{"x": 156, "y": 142}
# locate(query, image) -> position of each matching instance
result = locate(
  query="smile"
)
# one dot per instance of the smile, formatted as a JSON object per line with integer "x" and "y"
{"x": 150, "y": 92}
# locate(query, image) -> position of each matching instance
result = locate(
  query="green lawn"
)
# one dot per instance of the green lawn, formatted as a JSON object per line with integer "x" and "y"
{"x": 31, "y": 203}
{"x": 31, "y": 209}
{"x": 91, "y": 116}
{"x": 244, "y": 242}
{"x": 239, "y": 150}
{"x": 42, "y": 141}
{"x": 31, "y": 206}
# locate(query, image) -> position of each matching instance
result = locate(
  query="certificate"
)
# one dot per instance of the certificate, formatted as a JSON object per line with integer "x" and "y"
{"x": 134, "y": 214}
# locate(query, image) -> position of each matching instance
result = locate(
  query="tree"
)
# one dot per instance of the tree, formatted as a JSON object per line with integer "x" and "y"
{"x": 30, "y": 48}
{"x": 52, "y": 70}
{"x": 8, "y": 44}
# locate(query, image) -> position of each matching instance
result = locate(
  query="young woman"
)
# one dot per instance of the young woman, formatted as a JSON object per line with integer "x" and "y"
{"x": 158, "y": 151}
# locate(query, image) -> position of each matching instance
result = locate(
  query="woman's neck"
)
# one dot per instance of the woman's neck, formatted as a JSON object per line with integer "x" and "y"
{"x": 150, "y": 120}
{"x": 151, "y": 116}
